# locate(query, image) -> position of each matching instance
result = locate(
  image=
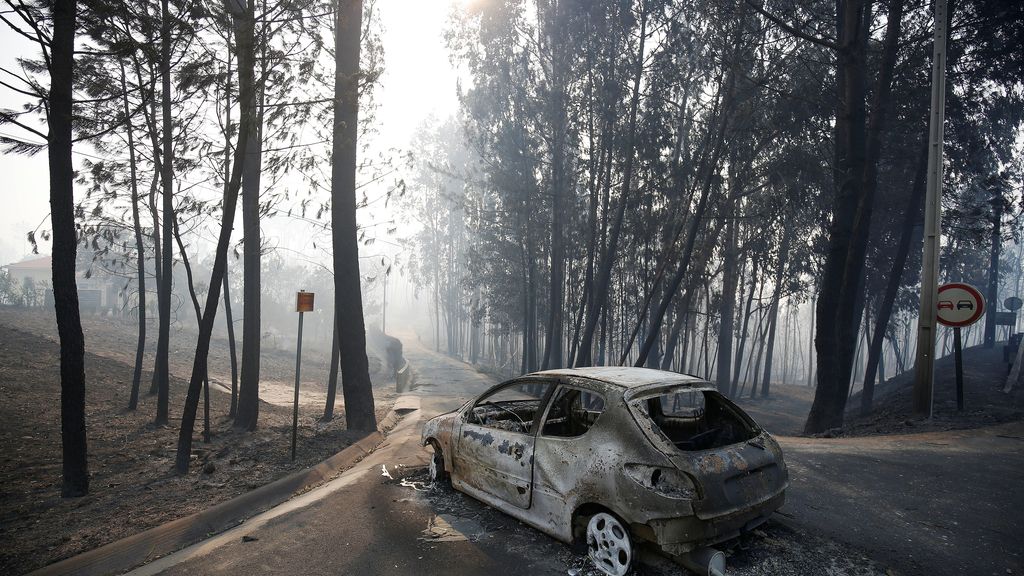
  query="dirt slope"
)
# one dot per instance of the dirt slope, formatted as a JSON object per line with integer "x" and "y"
{"x": 130, "y": 460}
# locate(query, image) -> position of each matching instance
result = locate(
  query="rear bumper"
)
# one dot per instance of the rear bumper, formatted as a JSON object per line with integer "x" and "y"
{"x": 680, "y": 535}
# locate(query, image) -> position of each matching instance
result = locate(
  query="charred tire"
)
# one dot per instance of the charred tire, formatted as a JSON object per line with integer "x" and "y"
{"x": 438, "y": 475}
{"x": 609, "y": 544}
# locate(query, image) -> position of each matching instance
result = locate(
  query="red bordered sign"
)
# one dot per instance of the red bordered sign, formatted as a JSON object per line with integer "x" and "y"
{"x": 959, "y": 304}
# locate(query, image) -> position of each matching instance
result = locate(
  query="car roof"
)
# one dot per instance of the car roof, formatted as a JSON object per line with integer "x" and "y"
{"x": 626, "y": 376}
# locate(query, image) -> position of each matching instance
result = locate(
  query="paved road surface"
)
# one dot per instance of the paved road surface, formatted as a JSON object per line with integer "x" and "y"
{"x": 372, "y": 525}
{"x": 936, "y": 504}
{"x": 932, "y": 504}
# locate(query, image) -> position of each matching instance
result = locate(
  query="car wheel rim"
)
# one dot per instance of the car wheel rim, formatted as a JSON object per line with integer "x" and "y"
{"x": 609, "y": 544}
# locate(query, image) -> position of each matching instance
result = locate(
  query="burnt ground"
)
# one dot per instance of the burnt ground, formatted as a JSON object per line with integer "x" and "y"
{"x": 785, "y": 410}
{"x": 132, "y": 487}
{"x": 985, "y": 404}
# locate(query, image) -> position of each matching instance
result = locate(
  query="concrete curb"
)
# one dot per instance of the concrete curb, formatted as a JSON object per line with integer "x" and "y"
{"x": 128, "y": 553}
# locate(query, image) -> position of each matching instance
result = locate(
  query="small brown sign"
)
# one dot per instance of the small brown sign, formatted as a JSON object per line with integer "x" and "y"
{"x": 304, "y": 302}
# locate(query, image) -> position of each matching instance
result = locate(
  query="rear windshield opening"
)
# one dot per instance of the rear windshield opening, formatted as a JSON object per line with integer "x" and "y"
{"x": 695, "y": 419}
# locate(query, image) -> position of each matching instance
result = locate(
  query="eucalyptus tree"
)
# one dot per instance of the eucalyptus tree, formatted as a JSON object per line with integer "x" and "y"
{"x": 856, "y": 149}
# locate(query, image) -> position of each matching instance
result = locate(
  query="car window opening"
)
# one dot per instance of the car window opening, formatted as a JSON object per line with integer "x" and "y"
{"x": 695, "y": 419}
{"x": 572, "y": 413}
{"x": 511, "y": 408}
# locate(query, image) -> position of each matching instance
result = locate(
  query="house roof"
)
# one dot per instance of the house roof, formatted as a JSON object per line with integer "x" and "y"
{"x": 42, "y": 263}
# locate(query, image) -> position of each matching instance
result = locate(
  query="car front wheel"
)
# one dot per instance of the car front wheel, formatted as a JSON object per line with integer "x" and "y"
{"x": 609, "y": 544}
{"x": 437, "y": 471}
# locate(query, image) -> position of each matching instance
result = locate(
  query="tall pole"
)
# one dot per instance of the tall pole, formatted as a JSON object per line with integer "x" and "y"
{"x": 924, "y": 364}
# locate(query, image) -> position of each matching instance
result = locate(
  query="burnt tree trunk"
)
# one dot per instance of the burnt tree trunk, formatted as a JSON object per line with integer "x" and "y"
{"x": 167, "y": 185}
{"x": 773, "y": 314}
{"x": 741, "y": 345}
{"x": 199, "y": 321}
{"x": 838, "y": 317}
{"x": 231, "y": 347}
{"x": 332, "y": 377}
{"x": 244, "y": 20}
{"x": 348, "y": 300}
{"x": 723, "y": 376}
{"x": 584, "y": 356}
{"x": 992, "y": 294}
{"x": 247, "y": 415}
{"x": 910, "y": 217}
{"x": 74, "y": 463}
{"x": 140, "y": 250}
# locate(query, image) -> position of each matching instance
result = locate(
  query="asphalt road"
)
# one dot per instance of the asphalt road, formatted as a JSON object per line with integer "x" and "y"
{"x": 373, "y": 524}
{"x": 930, "y": 504}
{"x": 936, "y": 504}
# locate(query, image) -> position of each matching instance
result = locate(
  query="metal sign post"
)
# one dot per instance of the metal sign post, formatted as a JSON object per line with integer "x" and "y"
{"x": 958, "y": 359}
{"x": 959, "y": 305}
{"x": 303, "y": 304}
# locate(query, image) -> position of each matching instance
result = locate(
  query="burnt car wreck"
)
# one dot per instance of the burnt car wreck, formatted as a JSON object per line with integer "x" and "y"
{"x": 614, "y": 457}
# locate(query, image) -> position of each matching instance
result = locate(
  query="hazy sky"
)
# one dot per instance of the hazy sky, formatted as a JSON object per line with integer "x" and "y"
{"x": 418, "y": 82}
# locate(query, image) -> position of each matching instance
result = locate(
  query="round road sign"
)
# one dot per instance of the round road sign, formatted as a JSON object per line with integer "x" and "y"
{"x": 1013, "y": 303}
{"x": 960, "y": 304}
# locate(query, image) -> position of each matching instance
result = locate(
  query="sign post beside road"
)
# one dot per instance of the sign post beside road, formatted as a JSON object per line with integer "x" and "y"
{"x": 303, "y": 304}
{"x": 959, "y": 305}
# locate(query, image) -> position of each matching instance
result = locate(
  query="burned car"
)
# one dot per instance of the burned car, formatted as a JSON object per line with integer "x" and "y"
{"x": 613, "y": 457}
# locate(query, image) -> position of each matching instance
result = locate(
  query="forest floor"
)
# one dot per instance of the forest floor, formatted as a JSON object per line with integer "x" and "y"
{"x": 785, "y": 410}
{"x": 985, "y": 403}
{"x": 132, "y": 486}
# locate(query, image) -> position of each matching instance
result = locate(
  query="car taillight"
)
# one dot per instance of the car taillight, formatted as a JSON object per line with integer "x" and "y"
{"x": 667, "y": 482}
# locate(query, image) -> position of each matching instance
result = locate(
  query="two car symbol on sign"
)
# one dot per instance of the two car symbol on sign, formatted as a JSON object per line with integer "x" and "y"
{"x": 960, "y": 305}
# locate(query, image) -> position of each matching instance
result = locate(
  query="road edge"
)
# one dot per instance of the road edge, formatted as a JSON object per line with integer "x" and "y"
{"x": 127, "y": 553}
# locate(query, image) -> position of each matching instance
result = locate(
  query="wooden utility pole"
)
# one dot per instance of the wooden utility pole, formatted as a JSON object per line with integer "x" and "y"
{"x": 926, "y": 328}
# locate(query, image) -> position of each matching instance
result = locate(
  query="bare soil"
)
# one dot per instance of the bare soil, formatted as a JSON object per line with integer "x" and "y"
{"x": 132, "y": 486}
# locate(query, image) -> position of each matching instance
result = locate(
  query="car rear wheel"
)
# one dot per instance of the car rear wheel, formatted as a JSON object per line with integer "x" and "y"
{"x": 437, "y": 472}
{"x": 609, "y": 544}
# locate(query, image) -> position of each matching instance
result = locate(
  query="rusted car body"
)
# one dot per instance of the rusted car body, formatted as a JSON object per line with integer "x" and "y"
{"x": 681, "y": 466}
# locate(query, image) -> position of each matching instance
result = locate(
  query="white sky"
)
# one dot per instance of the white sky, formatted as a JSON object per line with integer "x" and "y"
{"x": 418, "y": 82}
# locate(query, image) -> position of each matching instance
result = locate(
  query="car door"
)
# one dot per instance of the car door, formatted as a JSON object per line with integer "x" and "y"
{"x": 495, "y": 444}
{"x": 564, "y": 450}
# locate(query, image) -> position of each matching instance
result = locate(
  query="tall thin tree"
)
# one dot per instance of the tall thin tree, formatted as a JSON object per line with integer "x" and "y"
{"x": 348, "y": 300}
